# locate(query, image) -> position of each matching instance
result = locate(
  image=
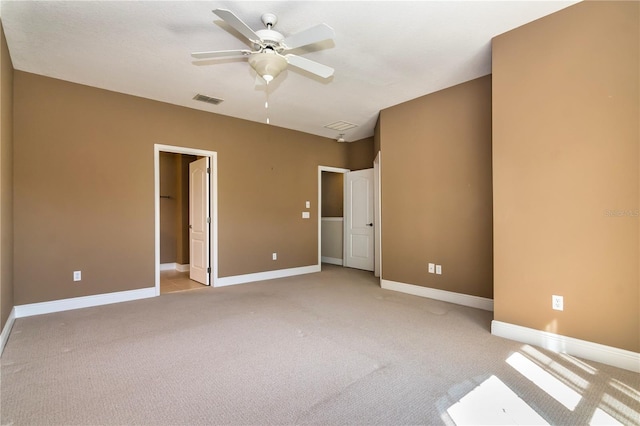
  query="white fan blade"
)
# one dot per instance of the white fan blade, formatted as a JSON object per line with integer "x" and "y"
{"x": 220, "y": 54}
{"x": 312, "y": 35}
{"x": 231, "y": 19}
{"x": 310, "y": 66}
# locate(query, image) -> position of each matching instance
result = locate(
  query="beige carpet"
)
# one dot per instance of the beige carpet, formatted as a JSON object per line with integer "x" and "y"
{"x": 326, "y": 348}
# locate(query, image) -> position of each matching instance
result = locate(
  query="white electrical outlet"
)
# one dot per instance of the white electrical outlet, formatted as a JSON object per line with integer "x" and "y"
{"x": 557, "y": 302}
{"x": 77, "y": 275}
{"x": 439, "y": 269}
{"x": 274, "y": 256}
{"x": 432, "y": 268}
{"x": 305, "y": 215}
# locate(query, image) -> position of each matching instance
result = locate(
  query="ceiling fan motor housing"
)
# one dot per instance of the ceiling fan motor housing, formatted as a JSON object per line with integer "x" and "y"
{"x": 270, "y": 39}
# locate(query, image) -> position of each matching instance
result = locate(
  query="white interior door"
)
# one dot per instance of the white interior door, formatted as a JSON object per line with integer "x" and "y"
{"x": 358, "y": 212}
{"x": 199, "y": 221}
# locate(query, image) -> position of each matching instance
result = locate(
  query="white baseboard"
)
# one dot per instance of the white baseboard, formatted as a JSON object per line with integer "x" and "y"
{"x": 445, "y": 296}
{"x": 269, "y": 275}
{"x": 175, "y": 267}
{"x": 331, "y": 260}
{"x": 6, "y": 330}
{"x": 609, "y": 355}
{"x": 82, "y": 302}
{"x": 168, "y": 266}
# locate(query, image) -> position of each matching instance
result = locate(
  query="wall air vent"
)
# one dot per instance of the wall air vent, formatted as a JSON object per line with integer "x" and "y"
{"x": 207, "y": 99}
{"x": 341, "y": 126}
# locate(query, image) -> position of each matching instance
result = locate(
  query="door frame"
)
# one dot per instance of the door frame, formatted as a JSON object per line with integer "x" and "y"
{"x": 320, "y": 170}
{"x": 213, "y": 199}
{"x": 377, "y": 215}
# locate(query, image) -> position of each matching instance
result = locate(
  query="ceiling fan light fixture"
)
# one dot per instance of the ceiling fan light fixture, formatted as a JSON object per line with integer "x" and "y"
{"x": 270, "y": 55}
{"x": 268, "y": 65}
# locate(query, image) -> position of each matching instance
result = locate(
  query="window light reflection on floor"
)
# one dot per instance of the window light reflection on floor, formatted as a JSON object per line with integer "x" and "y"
{"x": 620, "y": 410}
{"x": 493, "y": 403}
{"x": 583, "y": 366}
{"x": 602, "y": 418}
{"x": 545, "y": 381}
{"x": 556, "y": 369}
{"x": 626, "y": 390}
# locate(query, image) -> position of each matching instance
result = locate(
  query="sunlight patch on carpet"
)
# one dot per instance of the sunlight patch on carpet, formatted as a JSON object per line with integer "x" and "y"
{"x": 545, "y": 381}
{"x": 493, "y": 403}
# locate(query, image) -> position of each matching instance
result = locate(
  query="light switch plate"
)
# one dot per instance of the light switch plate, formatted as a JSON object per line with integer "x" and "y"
{"x": 439, "y": 269}
{"x": 432, "y": 268}
{"x": 77, "y": 275}
{"x": 307, "y": 204}
{"x": 305, "y": 215}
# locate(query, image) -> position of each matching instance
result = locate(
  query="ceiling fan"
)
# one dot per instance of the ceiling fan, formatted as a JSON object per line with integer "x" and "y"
{"x": 268, "y": 57}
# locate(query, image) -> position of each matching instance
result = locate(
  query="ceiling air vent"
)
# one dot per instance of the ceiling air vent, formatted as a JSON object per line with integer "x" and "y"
{"x": 341, "y": 126}
{"x": 207, "y": 99}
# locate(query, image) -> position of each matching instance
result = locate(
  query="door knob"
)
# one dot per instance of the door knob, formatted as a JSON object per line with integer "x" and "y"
{"x": 369, "y": 224}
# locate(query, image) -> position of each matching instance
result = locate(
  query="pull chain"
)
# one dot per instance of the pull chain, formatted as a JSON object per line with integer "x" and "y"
{"x": 266, "y": 103}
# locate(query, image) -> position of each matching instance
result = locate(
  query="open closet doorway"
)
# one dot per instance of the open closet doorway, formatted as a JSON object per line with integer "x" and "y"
{"x": 185, "y": 218}
{"x": 331, "y": 215}
{"x": 346, "y": 224}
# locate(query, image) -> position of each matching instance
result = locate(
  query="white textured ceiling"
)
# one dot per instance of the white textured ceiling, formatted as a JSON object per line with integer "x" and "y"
{"x": 384, "y": 52}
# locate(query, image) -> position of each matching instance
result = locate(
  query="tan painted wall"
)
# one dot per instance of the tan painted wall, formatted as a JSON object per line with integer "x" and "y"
{"x": 6, "y": 181}
{"x": 566, "y": 135}
{"x": 332, "y": 194}
{"x": 360, "y": 154}
{"x": 76, "y": 208}
{"x": 436, "y": 189}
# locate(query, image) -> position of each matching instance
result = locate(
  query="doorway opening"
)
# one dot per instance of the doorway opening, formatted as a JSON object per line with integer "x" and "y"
{"x": 185, "y": 218}
{"x": 348, "y": 217}
{"x": 331, "y": 215}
